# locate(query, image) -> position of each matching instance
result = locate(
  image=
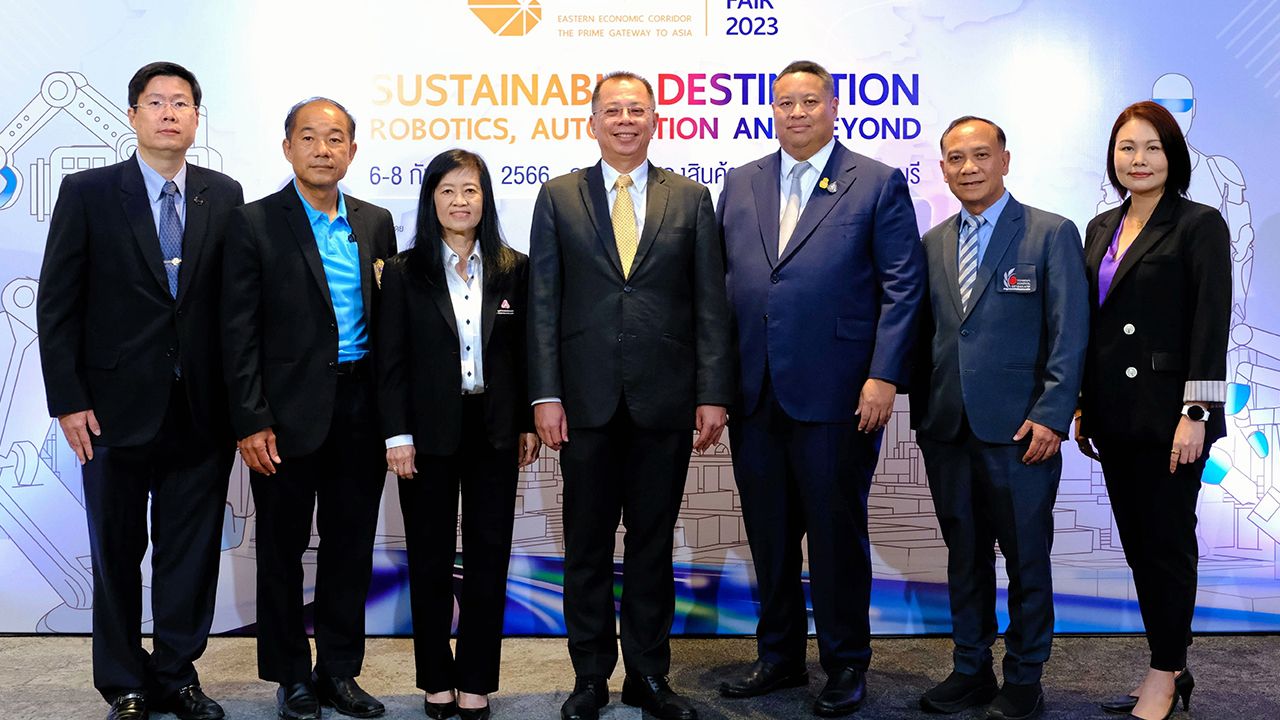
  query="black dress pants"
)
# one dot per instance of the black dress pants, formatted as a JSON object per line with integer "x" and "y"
{"x": 486, "y": 478}
{"x": 621, "y": 471}
{"x": 185, "y": 479}
{"x": 798, "y": 480}
{"x": 1156, "y": 516}
{"x": 341, "y": 483}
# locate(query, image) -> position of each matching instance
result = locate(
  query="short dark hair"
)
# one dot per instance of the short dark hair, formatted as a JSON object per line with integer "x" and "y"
{"x": 292, "y": 117}
{"x": 813, "y": 68}
{"x": 139, "y": 81}
{"x": 621, "y": 75}
{"x": 1175, "y": 146}
{"x": 968, "y": 119}
{"x": 424, "y": 258}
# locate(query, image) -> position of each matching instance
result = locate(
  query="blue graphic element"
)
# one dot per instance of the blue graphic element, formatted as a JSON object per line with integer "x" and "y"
{"x": 1261, "y": 446}
{"x": 1237, "y": 397}
{"x": 1177, "y": 105}
{"x": 1214, "y": 471}
{"x": 10, "y": 185}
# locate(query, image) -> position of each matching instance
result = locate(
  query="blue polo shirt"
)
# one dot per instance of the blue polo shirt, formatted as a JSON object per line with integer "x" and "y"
{"x": 341, "y": 258}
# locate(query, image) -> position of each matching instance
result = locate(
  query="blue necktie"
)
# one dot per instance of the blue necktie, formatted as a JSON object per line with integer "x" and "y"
{"x": 171, "y": 235}
{"x": 968, "y": 259}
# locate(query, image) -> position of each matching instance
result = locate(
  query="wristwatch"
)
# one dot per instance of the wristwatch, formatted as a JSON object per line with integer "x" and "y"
{"x": 1195, "y": 413}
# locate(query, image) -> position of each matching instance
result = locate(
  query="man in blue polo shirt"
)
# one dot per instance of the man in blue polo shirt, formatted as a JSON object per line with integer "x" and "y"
{"x": 298, "y": 317}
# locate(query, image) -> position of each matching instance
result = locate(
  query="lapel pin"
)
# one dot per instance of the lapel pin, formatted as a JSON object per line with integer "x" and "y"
{"x": 830, "y": 186}
{"x": 197, "y": 200}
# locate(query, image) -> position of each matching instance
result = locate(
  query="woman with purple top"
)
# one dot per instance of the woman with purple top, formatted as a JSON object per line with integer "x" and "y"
{"x": 1155, "y": 380}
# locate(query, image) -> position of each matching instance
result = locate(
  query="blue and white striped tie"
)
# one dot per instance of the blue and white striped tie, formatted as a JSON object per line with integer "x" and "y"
{"x": 968, "y": 259}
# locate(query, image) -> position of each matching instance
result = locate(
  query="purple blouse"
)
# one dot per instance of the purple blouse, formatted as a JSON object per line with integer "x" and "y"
{"x": 1110, "y": 261}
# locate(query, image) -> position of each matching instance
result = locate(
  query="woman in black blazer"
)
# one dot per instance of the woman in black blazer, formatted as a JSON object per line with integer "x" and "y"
{"x": 451, "y": 389}
{"x": 1155, "y": 379}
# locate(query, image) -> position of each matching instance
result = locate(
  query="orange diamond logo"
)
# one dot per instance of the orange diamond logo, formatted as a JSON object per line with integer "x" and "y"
{"x": 510, "y": 18}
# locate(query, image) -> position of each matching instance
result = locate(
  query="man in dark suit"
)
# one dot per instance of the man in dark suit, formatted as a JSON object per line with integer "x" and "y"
{"x": 127, "y": 313}
{"x": 298, "y": 327}
{"x": 629, "y": 349}
{"x": 825, "y": 277}
{"x": 1001, "y": 356}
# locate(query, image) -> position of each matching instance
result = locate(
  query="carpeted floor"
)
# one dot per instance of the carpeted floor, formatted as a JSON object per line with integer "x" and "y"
{"x": 45, "y": 678}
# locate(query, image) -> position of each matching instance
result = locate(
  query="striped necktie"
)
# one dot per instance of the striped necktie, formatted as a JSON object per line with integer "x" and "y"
{"x": 968, "y": 258}
{"x": 624, "y": 224}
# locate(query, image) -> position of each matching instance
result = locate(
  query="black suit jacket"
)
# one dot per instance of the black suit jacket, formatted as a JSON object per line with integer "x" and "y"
{"x": 419, "y": 371}
{"x": 1164, "y": 322}
{"x": 110, "y": 333}
{"x": 660, "y": 338}
{"x": 280, "y": 334}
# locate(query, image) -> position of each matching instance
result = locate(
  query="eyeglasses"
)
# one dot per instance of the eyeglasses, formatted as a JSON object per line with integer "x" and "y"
{"x": 156, "y": 106}
{"x": 638, "y": 112}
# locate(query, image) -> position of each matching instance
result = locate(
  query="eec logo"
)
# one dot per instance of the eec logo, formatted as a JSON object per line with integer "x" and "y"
{"x": 511, "y": 18}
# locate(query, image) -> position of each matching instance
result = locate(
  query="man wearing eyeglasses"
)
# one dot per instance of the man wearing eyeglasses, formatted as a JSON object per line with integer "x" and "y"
{"x": 629, "y": 354}
{"x": 825, "y": 270}
{"x": 127, "y": 314}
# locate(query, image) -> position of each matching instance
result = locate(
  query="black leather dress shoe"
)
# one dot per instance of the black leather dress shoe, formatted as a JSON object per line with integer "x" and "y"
{"x": 347, "y": 697}
{"x": 590, "y": 693}
{"x": 843, "y": 693}
{"x": 439, "y": 711}
{"x": 297, "y": 702}
{"x": 960, "y": 691}
{"x": 130, "y": 706}
{"x": 652, "y": 694}
{"x": 1017, "y": 702}
{"x": 190, "y": 703}
{"x": 763, "y": 678}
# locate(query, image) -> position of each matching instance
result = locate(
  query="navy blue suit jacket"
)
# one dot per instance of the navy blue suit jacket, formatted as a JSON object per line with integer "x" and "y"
{"x": 1018, "y": 353}
{"x": 840, "y": 305}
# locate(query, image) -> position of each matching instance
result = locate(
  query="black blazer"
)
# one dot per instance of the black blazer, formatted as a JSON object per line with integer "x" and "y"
{"x": 1164, "y": 322}
{"x": 660, "y": 338}
{"x": 110, "y": 333}
{"x": 419, "y": 375}
{"x": 280, "y": 334}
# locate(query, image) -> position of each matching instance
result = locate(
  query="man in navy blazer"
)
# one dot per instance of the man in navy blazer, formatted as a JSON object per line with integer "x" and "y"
{"x": 825, "y": 276}
{"x": 128, "y": 313}
{"x": 1002, "y": 347}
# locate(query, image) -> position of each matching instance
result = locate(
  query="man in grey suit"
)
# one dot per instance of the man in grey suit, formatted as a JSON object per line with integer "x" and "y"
{"x": 629, "y": 353}
{"x": 1002, "y": 352}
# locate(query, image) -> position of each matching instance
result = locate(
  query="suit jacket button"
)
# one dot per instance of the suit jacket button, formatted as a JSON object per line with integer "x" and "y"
{"x": 774, "y": 278}
{"x": 1129, "y": 329}
{"x": 1131, "y": 372}
{"x": 333, "y": 366}
{"x": 964, "y": 333}
{"x": 170, "y": 352}
{"x": 627, "y": 288}
{"x": 619, "y": 337}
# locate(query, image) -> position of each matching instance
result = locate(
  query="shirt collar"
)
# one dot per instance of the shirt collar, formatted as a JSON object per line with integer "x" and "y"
{"x": 639, "y": 176}
{"x": 315, "y": 216}
{"x": 451, "y": 257}
{"x": 992, "y": 214}
{"x": 154, "y": 181}
{"x": 818, "y": 161}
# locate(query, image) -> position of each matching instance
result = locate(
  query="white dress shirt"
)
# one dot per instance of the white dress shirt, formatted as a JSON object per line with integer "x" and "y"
{"x": 808, "y": 181}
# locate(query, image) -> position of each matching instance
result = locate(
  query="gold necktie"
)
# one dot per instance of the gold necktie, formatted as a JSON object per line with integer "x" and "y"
{"x": 624, "y": 224}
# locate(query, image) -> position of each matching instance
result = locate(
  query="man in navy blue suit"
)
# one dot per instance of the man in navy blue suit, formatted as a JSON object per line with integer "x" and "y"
{"x": 825, "y": 277}
{"x": 1003, "y": 337}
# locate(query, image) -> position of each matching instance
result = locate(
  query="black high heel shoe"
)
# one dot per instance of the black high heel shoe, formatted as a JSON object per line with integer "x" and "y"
{"x": 440, "y": 711}
{"x": 1183, "y": 684}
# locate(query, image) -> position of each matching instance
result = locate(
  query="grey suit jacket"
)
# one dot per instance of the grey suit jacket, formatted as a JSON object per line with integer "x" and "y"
{"x": 1018, "y": 353}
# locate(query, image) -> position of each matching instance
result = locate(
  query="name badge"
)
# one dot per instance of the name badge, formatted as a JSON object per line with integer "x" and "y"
{"x": 1018, "y": 279}
{"x": 505, "y": 308}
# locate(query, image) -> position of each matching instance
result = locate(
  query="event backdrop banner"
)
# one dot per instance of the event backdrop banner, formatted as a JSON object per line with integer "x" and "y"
{"x": 511, "y": 79}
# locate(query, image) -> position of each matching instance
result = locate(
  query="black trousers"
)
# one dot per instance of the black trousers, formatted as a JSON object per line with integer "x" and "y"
{"x": 621, "y": 471}
{"x": 486, "y": 478}
{"x": 186, "y": 481}
{"x": 341, "y": 483}
{"x": 983, "y": 493}
{"x": 799, "y": 479}
{"x": 1156, "y": 516}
